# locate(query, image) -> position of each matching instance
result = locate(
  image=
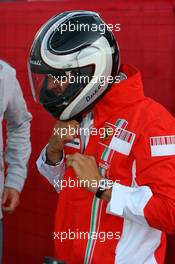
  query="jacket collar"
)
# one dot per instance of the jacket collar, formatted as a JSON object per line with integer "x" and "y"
{"x": 121, "y": 94}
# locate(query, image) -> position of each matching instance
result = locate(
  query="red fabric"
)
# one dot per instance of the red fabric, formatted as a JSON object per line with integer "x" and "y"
{"x": 146, "y": 39}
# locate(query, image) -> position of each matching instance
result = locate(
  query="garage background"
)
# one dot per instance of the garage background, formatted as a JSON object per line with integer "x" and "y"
{"x": 147, "y": 40}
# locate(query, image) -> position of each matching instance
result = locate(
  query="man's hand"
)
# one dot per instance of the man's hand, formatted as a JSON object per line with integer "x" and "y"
{"x": 63, "y": 132}
{"x": 10, "y": 199}
{"x": 85, "y": 168}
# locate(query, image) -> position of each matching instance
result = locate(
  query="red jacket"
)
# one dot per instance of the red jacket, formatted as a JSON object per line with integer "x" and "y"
{"x": 142, "y": 158}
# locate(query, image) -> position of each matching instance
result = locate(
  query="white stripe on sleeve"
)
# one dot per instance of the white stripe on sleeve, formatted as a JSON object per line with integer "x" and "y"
{"x": 129, "y": 202}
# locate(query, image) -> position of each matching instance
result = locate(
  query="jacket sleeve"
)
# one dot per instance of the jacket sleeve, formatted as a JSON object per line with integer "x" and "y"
{"x": 151, "y": 198}
{"x": 54, "y": 174}
{"x": 18, "y": 135}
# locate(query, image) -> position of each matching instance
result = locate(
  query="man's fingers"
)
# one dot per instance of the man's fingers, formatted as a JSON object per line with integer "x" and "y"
{"x": 81, "y": 157}
{"x": 91, "y": 158}
{"x": 14, "y": 203}
{"x": 73, "y": 123}
{"x": 11, "y": 207}
{"x": 70, "y": 162}
{"x": 7, "y": 209}
{"x": 77, "y": 158}
{"x": 63, "y": 132}
{"x": 61, "y": 123}
{"x": 4, "y": 197}
{"x": 66, "y": 131}
{"x": 74, "y": 164}
{"x": 10, "y": 200}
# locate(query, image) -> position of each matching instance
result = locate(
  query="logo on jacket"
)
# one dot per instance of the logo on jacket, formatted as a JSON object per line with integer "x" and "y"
{"x": 123, "y": 142}
{"x": 121, "y": 139}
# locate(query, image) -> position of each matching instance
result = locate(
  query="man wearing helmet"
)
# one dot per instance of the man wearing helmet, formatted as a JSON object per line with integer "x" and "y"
{"x": 124, "y": 179}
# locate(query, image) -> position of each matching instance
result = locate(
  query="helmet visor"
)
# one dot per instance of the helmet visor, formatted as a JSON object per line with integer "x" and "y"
{"x": 55, "y": 90}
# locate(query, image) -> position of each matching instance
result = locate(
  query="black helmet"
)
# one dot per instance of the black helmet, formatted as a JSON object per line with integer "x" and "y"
{"x": 77, "y": 49}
